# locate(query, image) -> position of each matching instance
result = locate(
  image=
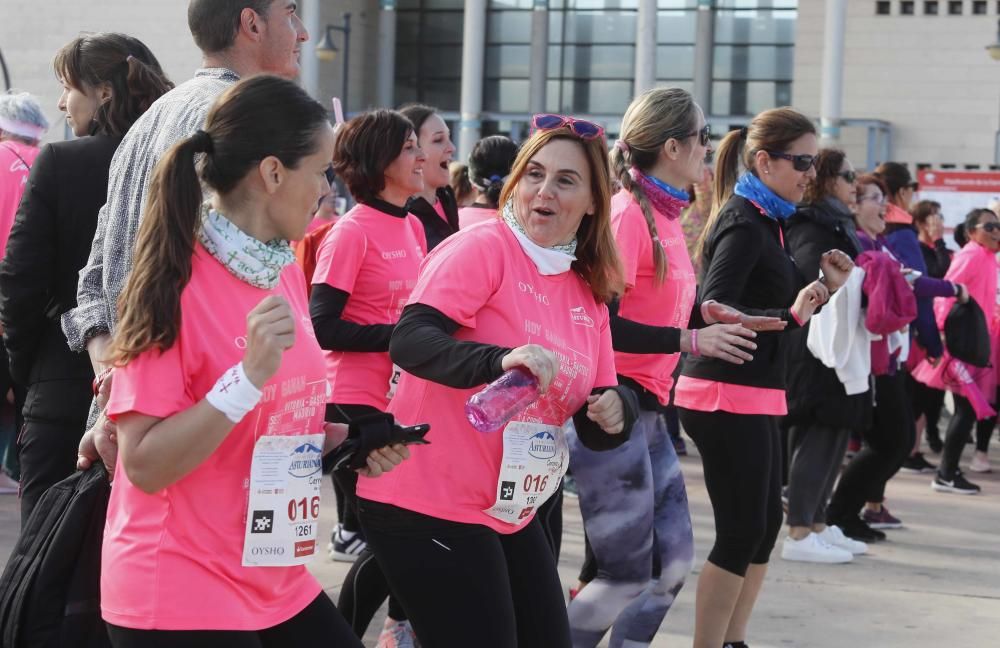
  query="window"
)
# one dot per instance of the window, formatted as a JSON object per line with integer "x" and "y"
{"x": 882, "y": 8}
{"x": 955, "y": 8}
{"x": 429, "y": 52}
{"x": 979, "y": 7}
{"x": 931, "y": 8}
{"x": 906, "y": 7}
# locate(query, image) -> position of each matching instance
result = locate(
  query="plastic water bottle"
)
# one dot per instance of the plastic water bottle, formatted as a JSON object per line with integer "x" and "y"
{"x": 502, "y": 400}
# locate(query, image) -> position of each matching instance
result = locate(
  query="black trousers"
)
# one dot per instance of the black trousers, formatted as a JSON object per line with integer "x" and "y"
{"x": 463, "y": 581}
{"x": 741, "y": 454}
{"x": 319, "y": 624}
{"x": 47, "y": 452}
{"x": 927, "y": 402}
{"x": 364, "y": 589}
{"x": 887, "y": 444}
{"x": 959, "y": 428}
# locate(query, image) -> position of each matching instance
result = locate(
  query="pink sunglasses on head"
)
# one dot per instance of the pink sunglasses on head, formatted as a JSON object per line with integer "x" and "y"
{"x": 583, "y": 129}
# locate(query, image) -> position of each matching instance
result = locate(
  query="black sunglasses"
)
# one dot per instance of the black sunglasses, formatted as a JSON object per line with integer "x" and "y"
{"x": 848, "y": 176}
{"x": 704, "y": 135}
{"x": 989, "y": 227}
{"x": 330, "y": 175}
{"x": 799, "y": 162}
{"x": 914, "y": 185}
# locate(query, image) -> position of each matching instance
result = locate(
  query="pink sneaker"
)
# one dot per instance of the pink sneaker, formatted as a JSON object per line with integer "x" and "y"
{"x": 397, "y": 634}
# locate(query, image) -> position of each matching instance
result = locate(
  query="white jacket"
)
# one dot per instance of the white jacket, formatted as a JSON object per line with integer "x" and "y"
{"x": 839, "y": 339}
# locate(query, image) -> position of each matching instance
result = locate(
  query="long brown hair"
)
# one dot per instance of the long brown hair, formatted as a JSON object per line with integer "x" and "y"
{"x": 125, "y": 64}
{"x": 828, "y": 164}
{"x": 257, "y": 118}
{"x": 772, "y": 130}
{"x": 596, "y": 252}
{"x": 652, "y": 118}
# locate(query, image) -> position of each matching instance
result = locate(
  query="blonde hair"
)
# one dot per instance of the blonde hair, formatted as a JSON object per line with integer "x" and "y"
{"x": 596, "y": 252}
{"x": 771, "y": 130}
{"x": 652, "y": 118}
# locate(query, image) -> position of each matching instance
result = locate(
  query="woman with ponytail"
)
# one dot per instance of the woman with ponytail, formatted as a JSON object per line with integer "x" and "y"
{"x": 489, "y": 165}
{"x": 731, "y": 410}
{"x": 664, "y": 143}
{"x": 219, "y": 391}
{"x": 108, "y": 81}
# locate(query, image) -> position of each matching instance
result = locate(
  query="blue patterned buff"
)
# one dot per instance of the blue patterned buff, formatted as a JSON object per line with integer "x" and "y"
{"x": 774, "y": 206}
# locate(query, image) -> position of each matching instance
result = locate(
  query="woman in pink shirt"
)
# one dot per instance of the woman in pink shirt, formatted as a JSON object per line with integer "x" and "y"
{"x": 489, "y": 166}
{"x": 626, "y": 494}
{"x": 457, "y": 535}
{"x": 365, "y": 269}
{"x": 435, "y": 205}
{"x": 22, "y": 125}
{"x": 731, "y": 410}
{"x": 220, "y": 389}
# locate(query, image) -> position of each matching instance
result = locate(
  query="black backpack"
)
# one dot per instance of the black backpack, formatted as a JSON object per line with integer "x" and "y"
{"x": 50, "y": 592}
{"x": 966, "y": 335}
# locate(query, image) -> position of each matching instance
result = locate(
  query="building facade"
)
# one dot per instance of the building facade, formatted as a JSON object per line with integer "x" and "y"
{"x": 918, "y": 86}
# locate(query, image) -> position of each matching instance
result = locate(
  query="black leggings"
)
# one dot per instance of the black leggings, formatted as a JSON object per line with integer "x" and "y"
{"x": 318, "y": 624}
{"x": 364, "y": 589}
{"x": 927, "y": 402}
{"x": 887, "y": 444}
{"x": 463, "y": 581}
{"x": 959, "y": 428}
{"x": 741, "y": 454}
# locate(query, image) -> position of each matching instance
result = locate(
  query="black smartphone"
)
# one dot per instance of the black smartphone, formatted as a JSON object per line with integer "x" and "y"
{"x": 414, "y": 434}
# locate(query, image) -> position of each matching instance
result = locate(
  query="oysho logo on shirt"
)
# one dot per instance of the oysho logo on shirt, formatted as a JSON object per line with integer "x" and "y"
{"x": 394, "y": 254}
{"x": 579, "y": 315}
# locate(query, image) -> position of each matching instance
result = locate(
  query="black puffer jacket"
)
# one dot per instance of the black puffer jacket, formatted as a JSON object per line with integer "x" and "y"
{"x": 814, "y": 393}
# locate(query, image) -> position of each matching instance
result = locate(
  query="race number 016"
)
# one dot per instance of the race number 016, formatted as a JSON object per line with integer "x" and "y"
{"x": 309, "y": 508}
{"x": 535, "y": 483}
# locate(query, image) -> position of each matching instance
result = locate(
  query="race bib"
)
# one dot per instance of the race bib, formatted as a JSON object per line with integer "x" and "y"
{"x": 535, "y": 458}
{"x": 283, "y": 509}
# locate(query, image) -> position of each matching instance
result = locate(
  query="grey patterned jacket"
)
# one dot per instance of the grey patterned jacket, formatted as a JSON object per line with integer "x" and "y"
{"x": 173, "y": 117}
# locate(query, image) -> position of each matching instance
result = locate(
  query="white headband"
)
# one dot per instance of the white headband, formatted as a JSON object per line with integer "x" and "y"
{"x": 23, "y": 129}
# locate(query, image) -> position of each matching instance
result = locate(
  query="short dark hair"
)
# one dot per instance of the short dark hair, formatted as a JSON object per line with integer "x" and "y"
{"x": 417, "y": 113}
{"x": 366, "y": 146}
{"x": 828, "y": 164}
{"x": 923, "y": 210}
{"x": 215, "y": 23}
{"x": 125, "y": 64}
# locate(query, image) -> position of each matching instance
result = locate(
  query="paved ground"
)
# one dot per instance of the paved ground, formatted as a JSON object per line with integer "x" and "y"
{"x": 935, "y": 583}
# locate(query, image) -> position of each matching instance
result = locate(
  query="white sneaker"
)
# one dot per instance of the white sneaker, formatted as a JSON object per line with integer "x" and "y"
{"x": 980, "y": 463}
{"x": 832, "y": 535}
{"x": 813, "y": 549}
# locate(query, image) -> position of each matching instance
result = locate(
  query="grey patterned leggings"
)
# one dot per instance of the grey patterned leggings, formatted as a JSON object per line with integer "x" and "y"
{"x": 624, "y": 494}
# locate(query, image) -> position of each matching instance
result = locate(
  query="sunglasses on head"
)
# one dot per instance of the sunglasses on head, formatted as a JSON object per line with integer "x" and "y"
{"x": 799, "y": 162}
{"x": 848, "y": 176}
{"x": 989, "y": 227}
{"x": 704, "y": 135}
{"x": 583, "y": 129}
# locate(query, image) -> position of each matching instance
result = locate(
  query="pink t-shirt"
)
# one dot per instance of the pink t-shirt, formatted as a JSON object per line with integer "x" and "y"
{"x": 173, "y": 560}
{"x": 713, "y": 396}
{"x": 16, "y": 159}
{"x": 375, "y": 257}
{"x": 482, "y": 279}
{"x": 439, "y": 208}
{"x": 471, "y": 215}
{"x": 646, "y": 302}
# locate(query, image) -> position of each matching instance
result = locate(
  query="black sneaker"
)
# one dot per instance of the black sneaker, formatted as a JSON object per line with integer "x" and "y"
{"x": 957, "y": 484}
{"x": 916, "y": 463}
{"x": 857, "y": 529}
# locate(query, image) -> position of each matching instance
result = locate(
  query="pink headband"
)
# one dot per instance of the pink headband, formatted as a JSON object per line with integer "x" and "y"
{"x": 622, "y": 146}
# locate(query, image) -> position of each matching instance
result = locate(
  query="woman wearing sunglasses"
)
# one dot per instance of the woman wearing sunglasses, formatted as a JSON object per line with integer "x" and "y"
{"x": 820, "y": 412}
{"x": 731, "y": 410}
{"x": 975, "y": 266}
{"x": 457, "y": 534}
{"x": 627, "y": 494}
{"x": 365, "y": 269}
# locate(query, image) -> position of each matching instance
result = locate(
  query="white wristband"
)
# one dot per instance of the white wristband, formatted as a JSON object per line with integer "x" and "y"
{"x": 233, "y": 394}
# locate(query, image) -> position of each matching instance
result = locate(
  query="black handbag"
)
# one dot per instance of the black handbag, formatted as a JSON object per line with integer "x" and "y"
{"x": 50, "y": 591}
{"x": 965, "y": 334}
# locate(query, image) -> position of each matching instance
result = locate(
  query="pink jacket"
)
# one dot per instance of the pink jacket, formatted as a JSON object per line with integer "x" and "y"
{"x": 15, "y": 163}
{"x": 891, "y": 305}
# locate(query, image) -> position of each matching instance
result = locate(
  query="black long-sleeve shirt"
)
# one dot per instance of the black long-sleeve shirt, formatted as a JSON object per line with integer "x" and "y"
{"x": 423, "y": 345}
